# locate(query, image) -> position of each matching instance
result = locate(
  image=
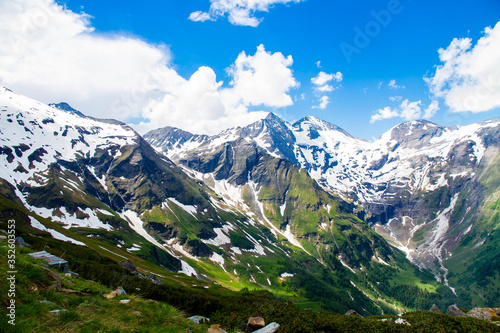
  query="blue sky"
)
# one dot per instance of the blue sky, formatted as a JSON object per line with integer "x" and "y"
{"x": 360, "y": 46}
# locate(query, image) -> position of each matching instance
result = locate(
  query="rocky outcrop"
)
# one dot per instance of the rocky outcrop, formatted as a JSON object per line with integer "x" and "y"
{"x": 117, "y": 292}
{"x": 484, "y": 313}
{"x": 353, "y": 313}
{"x": 129, "y": 266}
{"x": 454, "y": 311}
{"x": 435, "y": 309}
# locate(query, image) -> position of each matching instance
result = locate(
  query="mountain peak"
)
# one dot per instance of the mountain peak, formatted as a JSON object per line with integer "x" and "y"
{"x": 274, "y": 120}
{"x": 414, "y": 130}
{"x": 317, "y": 124}
{"x": 418, "y": 123}
{"x": 272, "y": 116}
{"x": 66, "y": 107}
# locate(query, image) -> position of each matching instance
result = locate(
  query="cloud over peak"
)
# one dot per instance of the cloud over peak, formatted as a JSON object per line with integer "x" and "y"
{"x": 407, "y": 111}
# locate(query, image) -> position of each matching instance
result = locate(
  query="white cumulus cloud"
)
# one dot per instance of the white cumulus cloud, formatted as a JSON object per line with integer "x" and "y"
{"x": 410, "y": 110}
{"x": 239, "y": 12}
{"x": 322, "y": 85}
{"x": 323, "y": 78}
{"x": 469, "y": 78}
{"x": 385, "y": 113}
{"x": 323, "y": 103}
{"x": 53, "y": 54}
{"x": 407, "y": 110}
{"x": 264, "y": 78}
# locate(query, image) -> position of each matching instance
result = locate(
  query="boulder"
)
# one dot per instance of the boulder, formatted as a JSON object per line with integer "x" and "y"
{"x": 255, "y": 323}
{"x": 435, "y": 309}
{"x": 20, "y": 242}
{"x": 215, "y": 329}
{"x": 454, "y": 311}
{"x": 113, "y": 294}
{"x": 110, "y": 295}
{"x": 120, "y": 291}
{"x": 271, "y": 328}
{"x": 353, "y": 313}
{"x": 199, "y": 319}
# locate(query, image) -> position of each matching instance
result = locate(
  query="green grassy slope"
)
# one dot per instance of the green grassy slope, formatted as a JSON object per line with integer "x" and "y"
{"x": 475, "y": 264}
{"x": 165, "y": 307}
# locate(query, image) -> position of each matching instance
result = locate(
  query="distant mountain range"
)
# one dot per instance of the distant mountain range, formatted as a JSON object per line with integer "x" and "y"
{"x": 304, "y": 210}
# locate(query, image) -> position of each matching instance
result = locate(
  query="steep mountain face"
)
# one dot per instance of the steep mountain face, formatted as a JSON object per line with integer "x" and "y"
{"x": 233, "y": 212}
{"x": 422, "y": 186}
{"x": 249, "y": 164}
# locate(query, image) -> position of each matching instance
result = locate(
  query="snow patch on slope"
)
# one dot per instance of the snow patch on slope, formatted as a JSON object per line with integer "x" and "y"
{"x": 55, "y": 234}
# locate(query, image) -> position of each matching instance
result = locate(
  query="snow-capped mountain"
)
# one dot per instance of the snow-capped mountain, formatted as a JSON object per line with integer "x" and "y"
{"x": 420, "y": 185}
{"x": 239, "y": 213}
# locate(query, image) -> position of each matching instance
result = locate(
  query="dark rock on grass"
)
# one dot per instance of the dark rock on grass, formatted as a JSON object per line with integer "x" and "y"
{"x": 255, "y": 323}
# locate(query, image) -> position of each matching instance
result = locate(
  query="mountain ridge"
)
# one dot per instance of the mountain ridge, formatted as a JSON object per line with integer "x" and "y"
{"x": 407, "y": 184}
